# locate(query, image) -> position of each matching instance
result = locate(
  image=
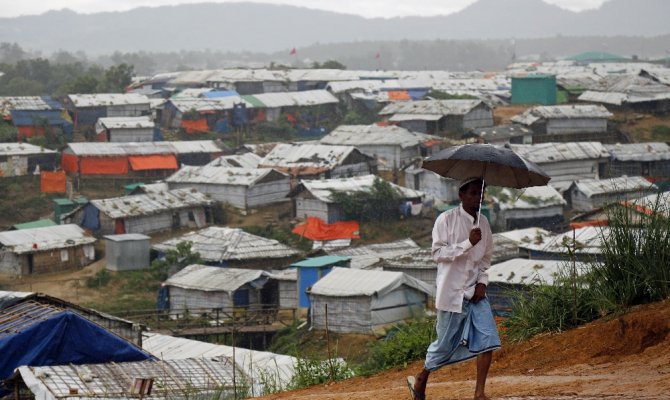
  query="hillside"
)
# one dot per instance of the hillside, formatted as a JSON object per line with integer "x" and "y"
{"x": 622, "y": 357}
{"x": 265, "y": 28}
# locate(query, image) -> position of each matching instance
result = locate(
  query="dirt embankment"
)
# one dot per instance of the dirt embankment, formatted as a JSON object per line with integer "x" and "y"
{"x": 624, "y": 357}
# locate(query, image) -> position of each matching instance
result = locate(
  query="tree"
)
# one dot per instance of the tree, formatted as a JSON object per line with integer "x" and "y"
{"x": 175, "y": 260}
{"x": 380, "y": 203}
{"x": 117, "y": 78}
{"x": 333, "y": 64}
{"x": 11, "y": 53}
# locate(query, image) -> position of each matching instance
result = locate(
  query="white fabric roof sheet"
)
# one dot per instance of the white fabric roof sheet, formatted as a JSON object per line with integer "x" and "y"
{"x": 126, "y": 122}
{"x": 322, "y": 189}
{"x": 523, "y": 271}
{"x": 624, "y": 184}
{"x": 347, "y": 282}
{"x": 46, "y": 238}
{"x": 529, "y": 198}
{"x": 246, "y": 160}
{"x": 557, "y": 152}
{"x": 221, "y": 175}
{"x": 213, "y": 279}
{"x": 431, "y": 107}
{"x": 357, "y": 135}
{"x": 216, "y": 244}
{"x": 648, "y": 151}
{"x": 151, "y": 203}
{"x": 22, "y": 149}
{"x": 108, "y": 99}
{"x": 306, "y": 155}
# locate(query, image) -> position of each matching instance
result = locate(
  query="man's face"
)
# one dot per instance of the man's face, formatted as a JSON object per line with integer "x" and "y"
{"x": 471, "y": 196}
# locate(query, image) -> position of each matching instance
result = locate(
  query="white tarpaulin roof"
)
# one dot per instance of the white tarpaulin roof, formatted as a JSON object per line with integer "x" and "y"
{"x": 530, "y": 272}
{"x": 347, "y": 282}
{"x": 223, "y": 244}
{"x": 46, "y": 238}
{"x": 255, "y": 364}
{"x": 213, "y": 279}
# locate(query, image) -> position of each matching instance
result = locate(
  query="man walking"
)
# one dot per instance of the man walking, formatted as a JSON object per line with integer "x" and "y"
{"x": 462, "y": 248}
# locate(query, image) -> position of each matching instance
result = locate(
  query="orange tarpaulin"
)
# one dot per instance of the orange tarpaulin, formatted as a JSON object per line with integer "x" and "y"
{"x": 29, "y": 131}
{"x": 584, "y": 224}
{"x": 316, "y": 229}
{"x": 104, "y": 165}
{"x": 156, "y": 161}
{"x": 68, "y": 163}
{"x": 52, "y": 182}
{"x": 195, "y": 126}
{"x": 398, "y": 95}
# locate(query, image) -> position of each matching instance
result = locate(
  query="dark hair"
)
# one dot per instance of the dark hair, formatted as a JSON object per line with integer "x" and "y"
{"x": 465, "y": 187}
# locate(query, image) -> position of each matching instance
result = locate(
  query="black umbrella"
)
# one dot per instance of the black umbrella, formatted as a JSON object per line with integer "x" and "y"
{"x": 496, "y": 165}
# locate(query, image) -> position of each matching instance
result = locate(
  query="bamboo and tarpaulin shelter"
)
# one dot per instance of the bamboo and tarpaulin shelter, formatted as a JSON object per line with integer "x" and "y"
{"x": 170, "y": 379}
{"x": 364, "y": 301}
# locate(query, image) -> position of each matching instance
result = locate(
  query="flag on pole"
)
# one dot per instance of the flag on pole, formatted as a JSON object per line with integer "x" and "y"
{"x": 377, "y": 55}
{"x": 293, "y": 52}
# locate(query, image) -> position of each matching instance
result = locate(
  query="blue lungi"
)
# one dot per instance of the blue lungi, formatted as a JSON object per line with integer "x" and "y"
{"x": 462, "y": 336}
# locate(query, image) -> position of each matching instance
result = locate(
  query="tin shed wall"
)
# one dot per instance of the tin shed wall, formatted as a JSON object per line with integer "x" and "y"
{"x": 127, "y": 255}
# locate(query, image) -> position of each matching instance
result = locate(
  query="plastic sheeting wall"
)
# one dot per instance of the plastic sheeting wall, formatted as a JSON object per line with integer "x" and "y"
{"x": 311, "y": 208}
{"x": 288, "y": 294}
{"x": 131, "y": 135}
{"x": 363, "y": 314}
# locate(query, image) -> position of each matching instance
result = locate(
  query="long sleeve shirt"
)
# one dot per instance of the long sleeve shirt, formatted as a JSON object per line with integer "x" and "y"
{"x": 460, "y": 265}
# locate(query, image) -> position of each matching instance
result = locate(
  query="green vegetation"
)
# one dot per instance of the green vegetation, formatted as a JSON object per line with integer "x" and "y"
{"x": 404, "y": 343}
{"x": 440, "y": 95}
{"x": 660, "y": 133}
{"x": 281, "y": 234}
{"x": 175, "y": 260}
{"x": 39, "y": 76}
{"x": 380, "y": 203}
{"x": 634, "y": 269}
{"x": 329, "y": 64}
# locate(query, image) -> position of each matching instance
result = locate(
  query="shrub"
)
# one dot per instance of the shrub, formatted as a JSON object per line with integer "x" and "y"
{"x": 404, "y": 343}
{"x": 380, "y": 203}
{"x": 310, "y": 371}
{"x": 99, "y": 280}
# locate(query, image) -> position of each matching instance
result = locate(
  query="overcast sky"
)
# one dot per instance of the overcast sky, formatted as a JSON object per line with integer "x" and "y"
{"x": 365, "y": 8}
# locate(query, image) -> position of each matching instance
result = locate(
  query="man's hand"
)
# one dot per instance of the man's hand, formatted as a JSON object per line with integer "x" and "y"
{"x": 475, "y": 236}
{"x": 480, "y": 293}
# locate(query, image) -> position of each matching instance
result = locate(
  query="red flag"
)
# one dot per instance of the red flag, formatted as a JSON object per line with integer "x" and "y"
{"x": 293, "y": 52}
{"x": 377, "y": 55}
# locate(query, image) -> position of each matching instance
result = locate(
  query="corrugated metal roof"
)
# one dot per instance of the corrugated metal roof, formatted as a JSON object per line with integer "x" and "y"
{"x": 289, "y": 274}
{"x": 22, "y": 149}
{"x": 363, "y": 257}
{"x": 356, "y": 135}
{"x": 542, "y": 153}
{"x": 255, "y": 364}
{"x": 431, "y": 107}
{"x": 46, "y": 238}
{"x": 297, "y": 99}
{"x": 561, "y": 112}
{"x": 521, "y": 271}
{"x": 528, "y": 199}
{"x": 322, "y": 189}
{"x": 222, "y": 175}
{"x": 414, "y": 117}
{"x": 171, "y": 378}
{"x": 246, "y": 160}
{"x": 142, "y": 148}
{"x": 318, "y": 156}
{"x": 216, "y": 244}
{"x": 347, "y": 282}
{"x": 152, "y": 203}
{"x": 624, "y": 184}
{"x": 107, "y": 99}
{"x": 213, "y": 279}
{"x": 126, "y": 122}
{"x": 191, "y": 93}
{"x": 648, "y": 151}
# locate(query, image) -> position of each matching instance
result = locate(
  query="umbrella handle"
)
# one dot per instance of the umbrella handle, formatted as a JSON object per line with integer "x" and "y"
{"x": 481, "y": 199}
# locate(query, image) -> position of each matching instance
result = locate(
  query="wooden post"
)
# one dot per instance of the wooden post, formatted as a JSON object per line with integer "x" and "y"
{"x": 330, "y": 357}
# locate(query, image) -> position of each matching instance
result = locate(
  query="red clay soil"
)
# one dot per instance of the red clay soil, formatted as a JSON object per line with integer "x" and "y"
{"x": 624, "y": 357}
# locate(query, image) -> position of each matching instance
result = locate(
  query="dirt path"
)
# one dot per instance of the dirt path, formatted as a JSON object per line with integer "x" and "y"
{"x": 625, "y": 357}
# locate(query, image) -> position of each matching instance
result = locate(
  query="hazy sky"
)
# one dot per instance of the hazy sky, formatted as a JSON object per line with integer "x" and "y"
{"x": 366, "y": 8}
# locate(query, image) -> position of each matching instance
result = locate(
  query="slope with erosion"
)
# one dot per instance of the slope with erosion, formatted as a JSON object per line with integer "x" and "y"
{"x": 617, "y": 357}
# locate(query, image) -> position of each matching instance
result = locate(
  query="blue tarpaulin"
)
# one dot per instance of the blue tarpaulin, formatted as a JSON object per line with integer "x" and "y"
{"x": 91, "y": 219}
{"x": 63, "y": 338}
{"x": 220, "y": 93}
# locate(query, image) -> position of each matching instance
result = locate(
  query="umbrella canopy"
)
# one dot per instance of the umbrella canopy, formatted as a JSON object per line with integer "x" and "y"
{"x": 498, "y": 166}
